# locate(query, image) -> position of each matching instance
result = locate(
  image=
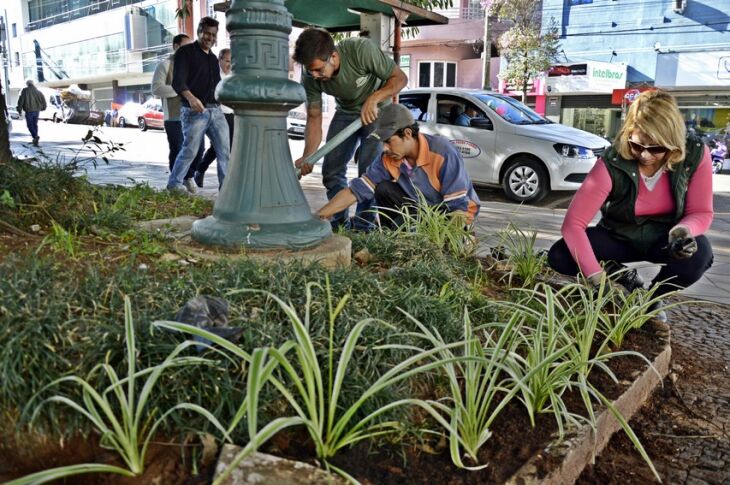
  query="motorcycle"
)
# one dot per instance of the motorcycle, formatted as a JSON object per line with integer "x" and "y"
{"x": 718, "y": 155}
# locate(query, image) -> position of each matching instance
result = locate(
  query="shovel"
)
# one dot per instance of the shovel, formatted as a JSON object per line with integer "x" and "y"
{"x": 330, "y": 145}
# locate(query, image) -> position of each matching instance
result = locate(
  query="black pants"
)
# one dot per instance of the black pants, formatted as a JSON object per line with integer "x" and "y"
{"x": 390, "y": 200}
{"x": 173, "y": 130}
{"x": 210, "y": 152}
{"x": 607, "y": 247}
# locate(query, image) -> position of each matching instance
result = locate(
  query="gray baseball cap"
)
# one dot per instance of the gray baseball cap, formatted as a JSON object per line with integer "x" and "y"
{"x": 391, "y": 118}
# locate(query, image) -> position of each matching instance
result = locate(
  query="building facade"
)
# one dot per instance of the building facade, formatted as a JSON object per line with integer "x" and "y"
{"x": 449, "y": 55}
{"x": 682, "y": 46}
{"x": 110, "y": 47}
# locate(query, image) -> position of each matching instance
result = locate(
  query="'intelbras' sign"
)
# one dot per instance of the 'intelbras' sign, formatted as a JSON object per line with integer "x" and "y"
{"x": 607, "y": 78}
{"x": 587, "y": 77}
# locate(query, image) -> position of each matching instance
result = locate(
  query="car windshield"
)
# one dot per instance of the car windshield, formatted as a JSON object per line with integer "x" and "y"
{"x": 512, "y": 110}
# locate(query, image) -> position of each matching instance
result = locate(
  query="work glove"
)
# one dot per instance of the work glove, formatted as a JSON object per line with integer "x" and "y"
{"x": 682, "y": 244}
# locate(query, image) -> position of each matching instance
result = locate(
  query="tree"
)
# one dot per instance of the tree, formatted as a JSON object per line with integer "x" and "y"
{"x": 5, "y": 154}
{"x": 528, "y": 48}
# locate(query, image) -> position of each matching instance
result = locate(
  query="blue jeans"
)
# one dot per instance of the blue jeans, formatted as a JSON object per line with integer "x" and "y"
{"x": 195, "y": 125}
{"x": 210, "y": 155}
{"x": 31, "y": 119}
{"x": 173, "y": 130}
{"x": 334, "y": 167}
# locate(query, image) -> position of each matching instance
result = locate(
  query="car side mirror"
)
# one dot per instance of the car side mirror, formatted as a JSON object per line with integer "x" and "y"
{"x": 481, "y": 123}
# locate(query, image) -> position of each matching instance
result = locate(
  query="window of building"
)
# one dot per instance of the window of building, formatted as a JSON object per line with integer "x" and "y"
{"x": 17, "y": 58}
{"x": 15, "y": 30}
{"x": 436, "y": 74}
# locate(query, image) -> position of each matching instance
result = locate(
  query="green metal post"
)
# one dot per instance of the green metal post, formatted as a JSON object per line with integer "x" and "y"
{"x": 261, "y": 204}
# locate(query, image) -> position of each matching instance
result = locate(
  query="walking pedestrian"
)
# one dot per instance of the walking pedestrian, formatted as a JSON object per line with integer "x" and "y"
{"x": 195, "y": 77}
{"x": 224, "y": 59}
{"x": 171, "y": 103}
{"x": 361, "y": 78}
{"x": 31, "y": 101}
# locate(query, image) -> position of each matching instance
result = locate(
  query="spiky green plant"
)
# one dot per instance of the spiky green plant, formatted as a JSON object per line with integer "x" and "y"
{"x": 316, "y": 397}
{"x": 119, "y": 416}
{"x": 566, "y": 333}
{"x": 448, "y": 231}
{"x": 524, "y": 261}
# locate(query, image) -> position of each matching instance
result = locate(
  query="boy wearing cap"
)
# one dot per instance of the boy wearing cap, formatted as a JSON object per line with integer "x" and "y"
{"x": 411, "y": 163}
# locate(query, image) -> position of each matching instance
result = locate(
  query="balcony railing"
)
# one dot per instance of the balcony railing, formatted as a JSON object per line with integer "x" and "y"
{"x": 94, "y": 6}
{"x": 472, "y": 12}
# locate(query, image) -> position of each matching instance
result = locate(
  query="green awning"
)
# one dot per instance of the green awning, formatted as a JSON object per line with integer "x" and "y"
{"x": 342, "y": 15}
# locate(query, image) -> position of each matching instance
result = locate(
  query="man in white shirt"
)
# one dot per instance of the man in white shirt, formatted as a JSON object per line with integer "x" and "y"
{"x": 162, "y": 87}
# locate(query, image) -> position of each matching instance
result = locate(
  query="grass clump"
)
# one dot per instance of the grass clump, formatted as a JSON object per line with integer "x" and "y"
{"x": 48, "y": 191}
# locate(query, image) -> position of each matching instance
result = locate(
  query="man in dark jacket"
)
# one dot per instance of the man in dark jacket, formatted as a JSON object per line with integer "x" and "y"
{"x": 195, "y": 77}
{"x": 31, "y": 101}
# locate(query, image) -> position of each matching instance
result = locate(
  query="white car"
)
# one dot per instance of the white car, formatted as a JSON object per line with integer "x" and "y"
{"x": 129, "y": 114}
{"x": 506, "y": 143}
{"x": 295, "y": 123}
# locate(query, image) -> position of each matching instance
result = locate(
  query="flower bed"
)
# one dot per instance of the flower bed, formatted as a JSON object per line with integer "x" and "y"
{"x": 419, "y": 364}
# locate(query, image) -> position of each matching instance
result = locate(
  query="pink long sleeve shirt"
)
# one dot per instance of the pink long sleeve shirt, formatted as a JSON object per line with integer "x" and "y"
{"x": 698, "y": 212}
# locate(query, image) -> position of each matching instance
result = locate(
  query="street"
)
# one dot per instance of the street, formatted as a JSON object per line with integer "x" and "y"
{"x": 144, "y": 159}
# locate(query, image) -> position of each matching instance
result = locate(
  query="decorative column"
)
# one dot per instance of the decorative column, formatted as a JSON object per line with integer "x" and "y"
{"x": 261, "y": 204}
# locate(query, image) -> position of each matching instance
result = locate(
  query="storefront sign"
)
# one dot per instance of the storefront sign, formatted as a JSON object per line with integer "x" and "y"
{"x": 693, "y": 69}
{"x": 405, "y": 60}
{"x": 627, "y": 96}
{"x": 588, "y": 77}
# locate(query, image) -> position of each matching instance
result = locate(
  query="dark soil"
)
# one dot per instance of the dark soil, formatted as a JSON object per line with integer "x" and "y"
{"x": 167, "y": 462}
{"x": 685, "y": 426}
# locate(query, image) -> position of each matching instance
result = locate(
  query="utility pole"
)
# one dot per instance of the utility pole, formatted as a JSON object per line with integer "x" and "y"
{"x": 4, "y": 50}
{"x": 486, "y": 54}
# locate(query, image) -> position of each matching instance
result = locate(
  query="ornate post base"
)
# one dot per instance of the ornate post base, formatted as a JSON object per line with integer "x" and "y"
{"x": 261, "y": 204}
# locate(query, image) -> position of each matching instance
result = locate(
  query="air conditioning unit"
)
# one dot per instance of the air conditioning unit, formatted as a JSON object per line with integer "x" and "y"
{"x": 679, "y": 6}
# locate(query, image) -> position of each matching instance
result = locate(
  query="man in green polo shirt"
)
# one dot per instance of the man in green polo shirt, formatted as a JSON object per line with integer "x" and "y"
{"x": 361, "y": 78}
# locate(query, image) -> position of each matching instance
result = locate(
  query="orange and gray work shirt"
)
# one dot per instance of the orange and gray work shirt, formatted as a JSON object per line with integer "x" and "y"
{"x": 439, "y": 175}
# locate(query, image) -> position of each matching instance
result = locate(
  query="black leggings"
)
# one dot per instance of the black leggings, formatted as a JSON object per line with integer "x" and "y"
{"x": 607, "y": 247}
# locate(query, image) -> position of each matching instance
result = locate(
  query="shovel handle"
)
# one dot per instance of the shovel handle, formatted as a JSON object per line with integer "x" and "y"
{"x": 331, "y": 144}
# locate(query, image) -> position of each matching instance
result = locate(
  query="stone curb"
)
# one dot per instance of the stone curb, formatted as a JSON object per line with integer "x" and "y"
{"x": 579, "y": 450}
{"x": 332, "y": 253}
{"x": 271, "y": 470}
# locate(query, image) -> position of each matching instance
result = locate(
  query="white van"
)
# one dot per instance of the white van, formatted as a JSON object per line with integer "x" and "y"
{"x": 53, "y": 105}
{"x": 506, "y": 143}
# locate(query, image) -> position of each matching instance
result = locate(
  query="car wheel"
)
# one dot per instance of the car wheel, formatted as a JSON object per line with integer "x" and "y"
{"x": 122, "y": 122}
{"x": 142, "y": 124}
{"x": 525, "y": 180}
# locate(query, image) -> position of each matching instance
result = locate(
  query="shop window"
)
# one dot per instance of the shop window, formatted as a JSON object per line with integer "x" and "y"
{"x": 436, "y": 74}
{"x": 15, "y": 30}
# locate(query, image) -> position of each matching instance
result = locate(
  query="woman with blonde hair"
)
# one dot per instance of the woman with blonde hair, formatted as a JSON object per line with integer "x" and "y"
{"x": 654, "y": 190}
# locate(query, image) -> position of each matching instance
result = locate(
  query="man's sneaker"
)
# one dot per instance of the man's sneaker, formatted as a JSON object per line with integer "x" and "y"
{"x": 190, "y": 185}
{"x": 35, "y": 141}
{"x": 631, "y": 280}
{"x": 661, "y": 314}
{"x": 198, "y": 177}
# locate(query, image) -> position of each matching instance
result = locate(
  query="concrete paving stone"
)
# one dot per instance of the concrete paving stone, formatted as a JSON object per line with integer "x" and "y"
{"x": 708, "y": 476}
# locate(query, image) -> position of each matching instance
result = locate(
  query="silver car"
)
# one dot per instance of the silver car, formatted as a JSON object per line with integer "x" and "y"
{"x": 504, "y": 142}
